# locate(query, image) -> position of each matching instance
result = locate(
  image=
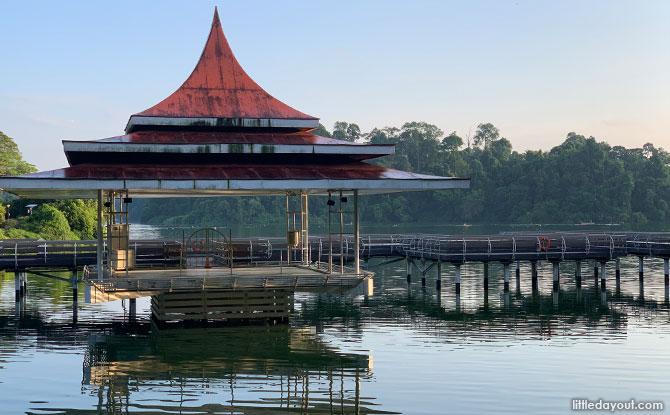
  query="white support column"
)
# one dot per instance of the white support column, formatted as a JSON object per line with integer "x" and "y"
{"x": 305, "y": 225}
{"x": 556, "y": 273}
{"x": 99, "y": 242}
{"x": 357, "y": 236}
{"x": 603, "y": 276}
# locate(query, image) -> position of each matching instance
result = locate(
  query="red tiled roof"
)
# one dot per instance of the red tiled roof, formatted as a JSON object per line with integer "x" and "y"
{"x": 219, "y": 88}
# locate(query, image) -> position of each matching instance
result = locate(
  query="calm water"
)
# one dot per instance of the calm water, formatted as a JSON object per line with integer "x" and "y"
{"x": 400, "y": 351}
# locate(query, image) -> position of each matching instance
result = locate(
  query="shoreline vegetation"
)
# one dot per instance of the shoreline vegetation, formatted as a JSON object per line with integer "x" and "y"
{"x": 581, "y": 181}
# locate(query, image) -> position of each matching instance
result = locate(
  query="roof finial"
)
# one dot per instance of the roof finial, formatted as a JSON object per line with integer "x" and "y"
{"x": 216, "y": 21}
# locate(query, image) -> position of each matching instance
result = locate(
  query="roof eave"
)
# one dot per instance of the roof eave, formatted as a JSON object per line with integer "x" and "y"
{"x": 149, "y": 121}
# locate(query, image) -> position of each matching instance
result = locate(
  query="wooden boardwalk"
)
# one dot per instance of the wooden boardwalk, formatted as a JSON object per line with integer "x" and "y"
{"x": 528, "y": 246}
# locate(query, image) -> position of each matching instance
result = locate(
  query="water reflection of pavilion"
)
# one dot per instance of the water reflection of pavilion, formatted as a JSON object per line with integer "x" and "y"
{"x": 246, "y": 370}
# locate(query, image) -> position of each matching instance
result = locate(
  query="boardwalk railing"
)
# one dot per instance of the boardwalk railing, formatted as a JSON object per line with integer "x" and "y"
{"x": 549, "y": 246}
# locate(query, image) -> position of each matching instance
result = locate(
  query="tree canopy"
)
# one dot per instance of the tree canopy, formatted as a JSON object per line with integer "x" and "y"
{"x": 580, "y": 181}
{"x": 11, "y": 160}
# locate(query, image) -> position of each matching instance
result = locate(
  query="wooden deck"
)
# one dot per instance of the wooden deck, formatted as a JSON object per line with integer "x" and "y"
{"x": 145, "y": 282}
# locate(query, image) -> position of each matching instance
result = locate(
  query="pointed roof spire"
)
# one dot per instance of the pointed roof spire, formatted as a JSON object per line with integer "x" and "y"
{"x": 219, "y": 89}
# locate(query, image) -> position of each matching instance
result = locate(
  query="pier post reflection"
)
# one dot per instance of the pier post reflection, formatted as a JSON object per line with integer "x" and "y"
{"x": 309, "y": 376}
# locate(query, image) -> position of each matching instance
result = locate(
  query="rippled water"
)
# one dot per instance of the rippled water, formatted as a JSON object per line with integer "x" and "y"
{"x": 401, "y": 350}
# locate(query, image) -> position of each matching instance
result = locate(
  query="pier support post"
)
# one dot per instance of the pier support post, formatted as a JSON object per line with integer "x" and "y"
{"x": 486, "y": 276}
{"x": 556, "y": 273}
{"x": 17, "y": 285}
{"x": 603, "y": 276}
{"x": 595, "y": 271}
{"x": 506, "y": 271}
{"x": 409, "y": 270}
{"x": 74, "y": 284}
{"x": 423, "y": 272}
{"x": 24, "y": 283}
{"x": 518, "y": 276}
{"x": 666, "y": 270}
{"x": 438, "y": 277}
{"x": 617, "y": 272}
{"x": 458, "y": 278}
{"x": 578, "y": 274}
{"x": 640, "y": 268}
{"x": 132, "y": 309}
{"x": 533, "y": 270}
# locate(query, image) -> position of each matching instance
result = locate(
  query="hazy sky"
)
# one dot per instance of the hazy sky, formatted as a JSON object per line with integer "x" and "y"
{"x": 535, "y": 69}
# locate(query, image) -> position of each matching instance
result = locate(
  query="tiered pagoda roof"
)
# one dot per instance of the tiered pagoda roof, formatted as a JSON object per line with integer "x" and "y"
{"x": 220, "y": 133}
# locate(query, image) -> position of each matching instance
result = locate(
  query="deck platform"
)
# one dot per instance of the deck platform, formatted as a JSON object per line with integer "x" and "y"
{"x": 294, "y": 278}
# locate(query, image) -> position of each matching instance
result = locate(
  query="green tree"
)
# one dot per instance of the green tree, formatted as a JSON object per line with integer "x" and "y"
{"x": 346, "y": 131}
{"x": 50, "y": 223}
{"x": 321, "y": 131}
{"x": 485, "y": 134}
{"x": 81, "y": 216}
{"x": 11, "y": 160}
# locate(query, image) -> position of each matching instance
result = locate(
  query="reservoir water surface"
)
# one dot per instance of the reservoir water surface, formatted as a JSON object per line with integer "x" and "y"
{"x": 403, "y": 350}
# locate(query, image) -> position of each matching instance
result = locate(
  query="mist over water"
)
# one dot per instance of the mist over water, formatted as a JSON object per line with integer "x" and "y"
{"x": 403, "y": 350}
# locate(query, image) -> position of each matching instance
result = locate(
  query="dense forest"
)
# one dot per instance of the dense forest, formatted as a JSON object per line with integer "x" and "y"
{"x": 64, "y": 219}
{"x": 579, "y": 181}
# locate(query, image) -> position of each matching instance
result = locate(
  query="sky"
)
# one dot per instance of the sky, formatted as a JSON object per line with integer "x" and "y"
{"x": 535, "y": 69}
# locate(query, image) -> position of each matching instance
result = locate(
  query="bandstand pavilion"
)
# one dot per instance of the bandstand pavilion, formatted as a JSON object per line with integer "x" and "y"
{"x": 221, "y": 134}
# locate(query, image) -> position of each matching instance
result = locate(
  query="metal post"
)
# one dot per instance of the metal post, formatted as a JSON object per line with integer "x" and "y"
{"x": 308, "y": 253}
{"x": 506, "y": 271}
{"x": 641, "y": 268}
{"x": 556, "y": 273}
{"x": 458, "y": 278}
{"x": 330, "y": 235}
{"x": 603, "y": 276}
{"x": 518, "y": 274}
{"x": 17, "y": 285}
{"x": 533, "y": 270}
{"x": 99, "y": 237}
{"x": 74, "y": 283}
{"x": 132, "y": 309}
{"x": 618, "y": 270}
{"x": 595, "y": 271}
{"x": 341, "y": 235}
{"x": 357, "y": 259}
{"x": 24, "y": 283}
{"x": 438, "y": 279}
{"x": 578, "y": 274}
{"x": 423, "y": 272}
{"x": 486, "y": 275}
{"x": 409, "y": 269}
{"x": 288, "y": 227}
{"x": 666, "y": 271}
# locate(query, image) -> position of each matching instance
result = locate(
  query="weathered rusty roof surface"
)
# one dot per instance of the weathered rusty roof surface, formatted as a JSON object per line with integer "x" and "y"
{"x": 349, "y": 171}
{"x": 220, "y": 88}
